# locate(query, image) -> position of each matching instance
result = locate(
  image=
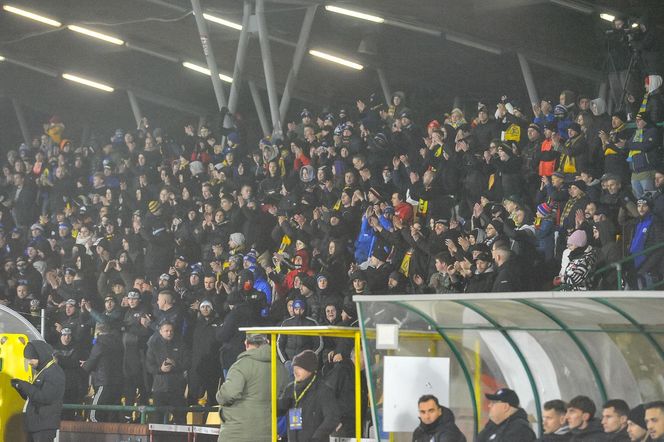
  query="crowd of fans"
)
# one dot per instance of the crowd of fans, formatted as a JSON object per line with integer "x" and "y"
{"x": 149, "y": 252}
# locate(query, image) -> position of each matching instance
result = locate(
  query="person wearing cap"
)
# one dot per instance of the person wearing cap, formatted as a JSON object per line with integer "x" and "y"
{"x": 44, "y": 395}
{"x": 648, "y": 232}
{"x": 69, "y": 354}
{"x": 578, "y": 262}
{"x": 308, "y": 403}
{"x": 135, "y": 337}
{"x": 205, "y": 368}
{"x": 244, "y": 396}
{"x": 167, "y": 360}
{"x": 486, "y": 128}
{"x": 290, "y": 345}
{"x": 69, "y": 316}
{"x": 642, "y": 155}
{"x": 615, "y": 413}
{"x": 483, "y": 275}
{"x": 636, "y": 424}
{"x": 507, "y": 421}
{"x": 577, "y": 201}
{"x": 436, "y": 422}
{"x": 159, "y": 247}
{"x": 581, "y": 420}
{"x": 378, "y": 270}
{"x": 102, "y": 366}
{"x": 111, "y": 315}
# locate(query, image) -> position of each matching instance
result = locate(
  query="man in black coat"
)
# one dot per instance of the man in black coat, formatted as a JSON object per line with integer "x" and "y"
{"x": 581, "y": 420}
{"x": 69, "y": 354}
{"x": 168, "y": 359}
{"x": 106, "y": 376}
{"x": 312, "y": 410}
{"x": 436, "y": 422}
{"x": 205, "y": 368}
{"x": 134, "y": 341}
{"x": 554, "y": 423}
{"x": 44, "y": 395}
{"x": 615, "y": 413}
{"x": 288, "y": 346}
{"x": 509, "y": 277}
{"x": 507, "y": 422}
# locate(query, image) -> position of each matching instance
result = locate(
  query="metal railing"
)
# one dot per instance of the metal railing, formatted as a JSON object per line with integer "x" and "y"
{"x": 143, "y": 410}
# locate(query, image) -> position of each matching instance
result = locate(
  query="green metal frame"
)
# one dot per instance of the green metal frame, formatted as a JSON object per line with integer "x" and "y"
{"x": 517, "y": 350}
{"x": 640, "y": 327}
{"x": 582, "y": 348}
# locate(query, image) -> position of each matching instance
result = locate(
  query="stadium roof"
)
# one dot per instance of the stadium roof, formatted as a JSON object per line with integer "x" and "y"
{"x": 431, "y": 48}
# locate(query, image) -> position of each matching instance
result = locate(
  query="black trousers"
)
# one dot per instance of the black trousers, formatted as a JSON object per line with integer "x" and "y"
{"x": 173, "y": 399}
{"x": 106, "y": 395}
{"x": 42, "y": 436}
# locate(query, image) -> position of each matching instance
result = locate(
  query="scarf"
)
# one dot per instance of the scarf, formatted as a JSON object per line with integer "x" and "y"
{"x": 637, "y": 138}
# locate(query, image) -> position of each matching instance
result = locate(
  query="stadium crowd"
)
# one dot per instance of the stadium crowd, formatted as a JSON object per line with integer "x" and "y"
{"x": 148, "y": 252}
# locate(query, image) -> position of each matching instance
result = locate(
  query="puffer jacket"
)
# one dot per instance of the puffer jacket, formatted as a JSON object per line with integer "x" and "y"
{"x": 577, "y": 272}
{"x": 158, "y": 350}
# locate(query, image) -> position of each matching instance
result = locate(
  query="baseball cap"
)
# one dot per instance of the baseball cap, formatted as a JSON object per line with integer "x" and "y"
{"x": 65, "y": 331}
{"x": 505, "y": 395}
{"x": 133, "y": 294}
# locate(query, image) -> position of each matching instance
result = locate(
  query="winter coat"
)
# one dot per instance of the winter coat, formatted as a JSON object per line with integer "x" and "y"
{"x": 442, "y": 429}
{"x": 245, "y": 398}
{"x": 481, "y": 282}
{"x": 205, "y": 348}
{"x": 577, "y": 272}
{"x": 290, "y": 345}
{"x": 514, "y": 429}
{"x": 509, "y": 278}
{"x": 643, "y": 155}
{"x": 617, "y": 436}
{"x": 592, "y": 433}
{"x": 103, "y": 361}
{"x": 229, "y": 335}
{"x": 44, "y": 395}
{"x": 134, "y": 341}
{"x": 320, "y": 411}
{"x": 554, "y": 437}
{"x": 158, "y": 350}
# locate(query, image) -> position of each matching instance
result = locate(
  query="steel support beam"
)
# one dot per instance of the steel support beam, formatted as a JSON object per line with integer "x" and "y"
{"x": 268, "y": 68}
{"x": 201, "y": 24}
{"x": 384, "y": 85}
{"x": 22, "y": 122}
{"x": 135, "y": 108}
{"x": 240, "y": 58}
{"x": 260, "y": 110}
{"x": 528, "y": 79}
{"x": 300, "y": 51}
{"x": 169, "y": 102}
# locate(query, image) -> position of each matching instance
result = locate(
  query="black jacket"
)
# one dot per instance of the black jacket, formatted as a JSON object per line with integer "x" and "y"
{"x": 442, "y": 430}
{"x": 104, "y": 359}
{"x": 320, "y": 410}
{"x": 45, "y": 394}
{"x": 229, "y": 335}
{"x": 592, "y": 433}
{"x": 158, "y": 350}
{"x": 205, "y": 347}
{"x": 514, "y": 429}
{"x": 618, "y": 436}
{"x": 553, "y": 437}
{"x": 290, "y": 345}
{"x": 509, "y": 278}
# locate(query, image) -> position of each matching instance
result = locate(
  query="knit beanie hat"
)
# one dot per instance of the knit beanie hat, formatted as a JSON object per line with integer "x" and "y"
{"x": 638, "y": 416}
{"x": 578, "y": 238}
{"x": 154, "y": 206}
{"x": 306, "y": 360}
{"x": 237, "y": 238}
{"x": 30, "y": 352}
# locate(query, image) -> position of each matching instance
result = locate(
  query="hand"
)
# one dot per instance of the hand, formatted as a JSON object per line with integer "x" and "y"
{"x": 166, "y": 367}
{"x": 360, "y": 105}
{"x": 464, "y": 243}
{"x": 145, "y": 321}
{"x": 195, "y": 305}
{"x": 487, "y": 156}
{"x": 414, "y": 177}
{"x": 337, "y": 358}
{"x": 477, "y": 210}
{"x": 579, "y": 218}
{"x": 417, "y": 279}
{"x": 80, "y": 363}
{"x": 451, "y": 246}
{"x": 536, "y": 109}
{"x": 395, "y": 162}
{"x": 58, "y": 327}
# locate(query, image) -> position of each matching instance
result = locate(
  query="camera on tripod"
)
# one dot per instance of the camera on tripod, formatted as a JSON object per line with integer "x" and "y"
{"x": 628, "y": 30}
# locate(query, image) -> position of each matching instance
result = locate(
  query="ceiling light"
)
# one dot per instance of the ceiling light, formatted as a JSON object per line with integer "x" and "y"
{"x": 221, "y": 21}
{"x": 95, "y": 34}
{"x": 355, "y": 14}
{"x": 85, "y": 81}
{"x": 607, "y": 17}
{"x": 335, "y": 59}
{"x": 206, "y": 71}
{"x": 32, "y": 16}
{"x": 2, "y": 58}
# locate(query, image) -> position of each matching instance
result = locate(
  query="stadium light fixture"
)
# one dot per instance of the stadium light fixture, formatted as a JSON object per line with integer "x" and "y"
{"x": 607, "y": 17}
{"x": 221, "y": 21}
{"x": 355, "y": 14}
{"x": 95, "y": 34}
{"x": 206, "y": 71}
{"x": 2, "y": 58}
{"x": 87, "y": 82}
{"x": 32, "y": 16}
{"x": 335, "y": 59}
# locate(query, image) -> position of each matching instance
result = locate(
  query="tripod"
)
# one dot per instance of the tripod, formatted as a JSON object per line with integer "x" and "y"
{"x": 634, "y": 63}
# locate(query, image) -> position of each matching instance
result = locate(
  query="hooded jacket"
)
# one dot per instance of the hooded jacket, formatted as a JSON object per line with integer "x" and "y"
{"x": 442, "y": 429}
{"x": 44, "y": 395}
{"x": 514, "y": 429}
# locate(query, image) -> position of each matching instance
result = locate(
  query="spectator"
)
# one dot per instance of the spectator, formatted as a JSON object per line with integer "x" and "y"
{"x": 69, "y": 357}
{"x": 134, "y": 341}
{"x": 580, "y": 262}
{"x": 167, "y": 360}
{"x": 642, "y": 156}
{"x": 507, "y": 422}
{"x": 648, "y": 232}
{"x": 654, "y": 418}
{"x": 554, "y": 423}
{"x": 291, "y": 345}
{"x": 313, "y": 412}
{"x": 106, "y": 378}
{"x": 436, "y": 422}
{"x": 581, "y": 420}
{"x": 205, "y": 368}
